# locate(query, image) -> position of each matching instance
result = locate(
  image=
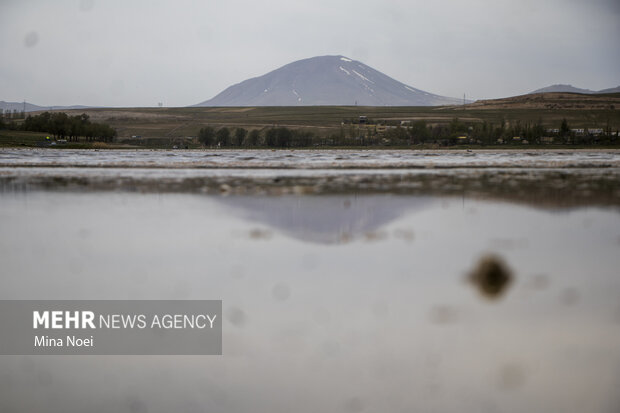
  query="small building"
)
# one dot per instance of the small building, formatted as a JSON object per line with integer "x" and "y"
{"x": 547, "y": 140}
{"x": 363, "y": 120}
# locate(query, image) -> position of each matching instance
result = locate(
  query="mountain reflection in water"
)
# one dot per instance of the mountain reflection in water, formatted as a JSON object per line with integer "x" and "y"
{"x": 324, "y": 219}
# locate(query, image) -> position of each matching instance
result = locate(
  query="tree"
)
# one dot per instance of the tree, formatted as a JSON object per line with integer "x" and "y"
{"x": 303, "y": 138}
{"x": 564, "y": 128}
{"x": 223, "y": 136}
{"x": 271, "y": 137}
{"x": 397, "y": 135}
{"x": 240, "y": 135}
{"x": 279, "y": 137}
{"x": 419, "y": 132}
{"x": 254, "y": 138}
{"x": 284, "y": 137}
{"x": 457, "y": 127}
{"x": 206, "y": 136}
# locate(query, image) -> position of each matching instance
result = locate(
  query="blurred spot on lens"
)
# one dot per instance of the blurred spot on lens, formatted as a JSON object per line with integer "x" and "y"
{"x": 236, "y": 316}
{"x": 322, "y": 316}
{"x": 31, "y": 39}
{"x": 86, "y": 5}
{"x": 443, "y": 314}
{"x": 354, "y": 404}
{"x": 511, "y": 377}
{"x": 237, "y": 272}
{"x": 569, "y": 296}
{"x": 136, "y": 405}
{"x": 540, "y": 282}
{"x": 491, "y": 276}
{"x": 281, "y": 291}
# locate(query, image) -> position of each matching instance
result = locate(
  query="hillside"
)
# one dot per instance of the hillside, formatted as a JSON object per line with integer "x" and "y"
{"x": 571, "y": 89}
{"x": 553, "y": 100}
{"x": 19, "y": 106}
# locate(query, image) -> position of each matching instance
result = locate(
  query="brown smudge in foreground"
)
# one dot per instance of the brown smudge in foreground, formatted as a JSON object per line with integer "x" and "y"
{"x": 372, "y": 236}
{"x": 258, "y": 233}
{"x": 491, "y": 276}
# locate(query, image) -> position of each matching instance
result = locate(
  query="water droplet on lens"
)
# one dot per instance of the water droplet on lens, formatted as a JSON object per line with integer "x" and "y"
{"x": 281, "y": 291}
{"x": 31, "y": 39}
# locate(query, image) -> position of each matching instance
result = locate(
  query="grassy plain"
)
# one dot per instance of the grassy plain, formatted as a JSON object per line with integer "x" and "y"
{"x": 581, "y": 111}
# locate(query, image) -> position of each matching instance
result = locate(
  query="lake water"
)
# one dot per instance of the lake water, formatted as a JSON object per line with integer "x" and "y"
{"x": 346, "y": 283}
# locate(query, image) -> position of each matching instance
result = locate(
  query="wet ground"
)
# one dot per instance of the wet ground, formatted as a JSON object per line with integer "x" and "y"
{"x": 482, "y": 288}
{"x": 312, "y": 159}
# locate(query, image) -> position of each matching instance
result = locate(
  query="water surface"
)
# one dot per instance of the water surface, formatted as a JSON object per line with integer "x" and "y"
{"x": 343, "y": 289}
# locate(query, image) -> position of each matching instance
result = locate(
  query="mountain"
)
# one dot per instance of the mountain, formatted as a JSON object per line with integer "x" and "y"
{"x": 19, "y": 106}
{"x": 572, "y": 89}
{"x": 325, "y": 80}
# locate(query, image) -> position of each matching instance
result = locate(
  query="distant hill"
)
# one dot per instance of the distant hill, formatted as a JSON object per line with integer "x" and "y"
{"x": 552, "y": 100}
{"x": 19, "y": 106}
{"x": 572, "y": 89}
{"x": 610, "y": 90}
{"x": 325, "y": 80}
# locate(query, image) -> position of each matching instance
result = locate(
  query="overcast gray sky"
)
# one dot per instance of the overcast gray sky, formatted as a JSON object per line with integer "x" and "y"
{"x": 181, "y": 52}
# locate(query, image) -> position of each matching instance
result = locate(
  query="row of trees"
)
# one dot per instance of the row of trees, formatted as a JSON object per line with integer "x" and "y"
{"x": 12, "y": 114}
{"x": 457, "y": 131}
{"x": 277, "y": 137}
{"x": 418, "y": 132}
{"x": 72, "y": 128}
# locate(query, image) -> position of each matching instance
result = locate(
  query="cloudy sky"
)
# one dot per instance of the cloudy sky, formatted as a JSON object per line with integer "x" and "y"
{"x": 181, "y": 52}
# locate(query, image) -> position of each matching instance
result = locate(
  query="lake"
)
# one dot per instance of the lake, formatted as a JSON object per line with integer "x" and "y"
{"x": 351, "y": 280}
